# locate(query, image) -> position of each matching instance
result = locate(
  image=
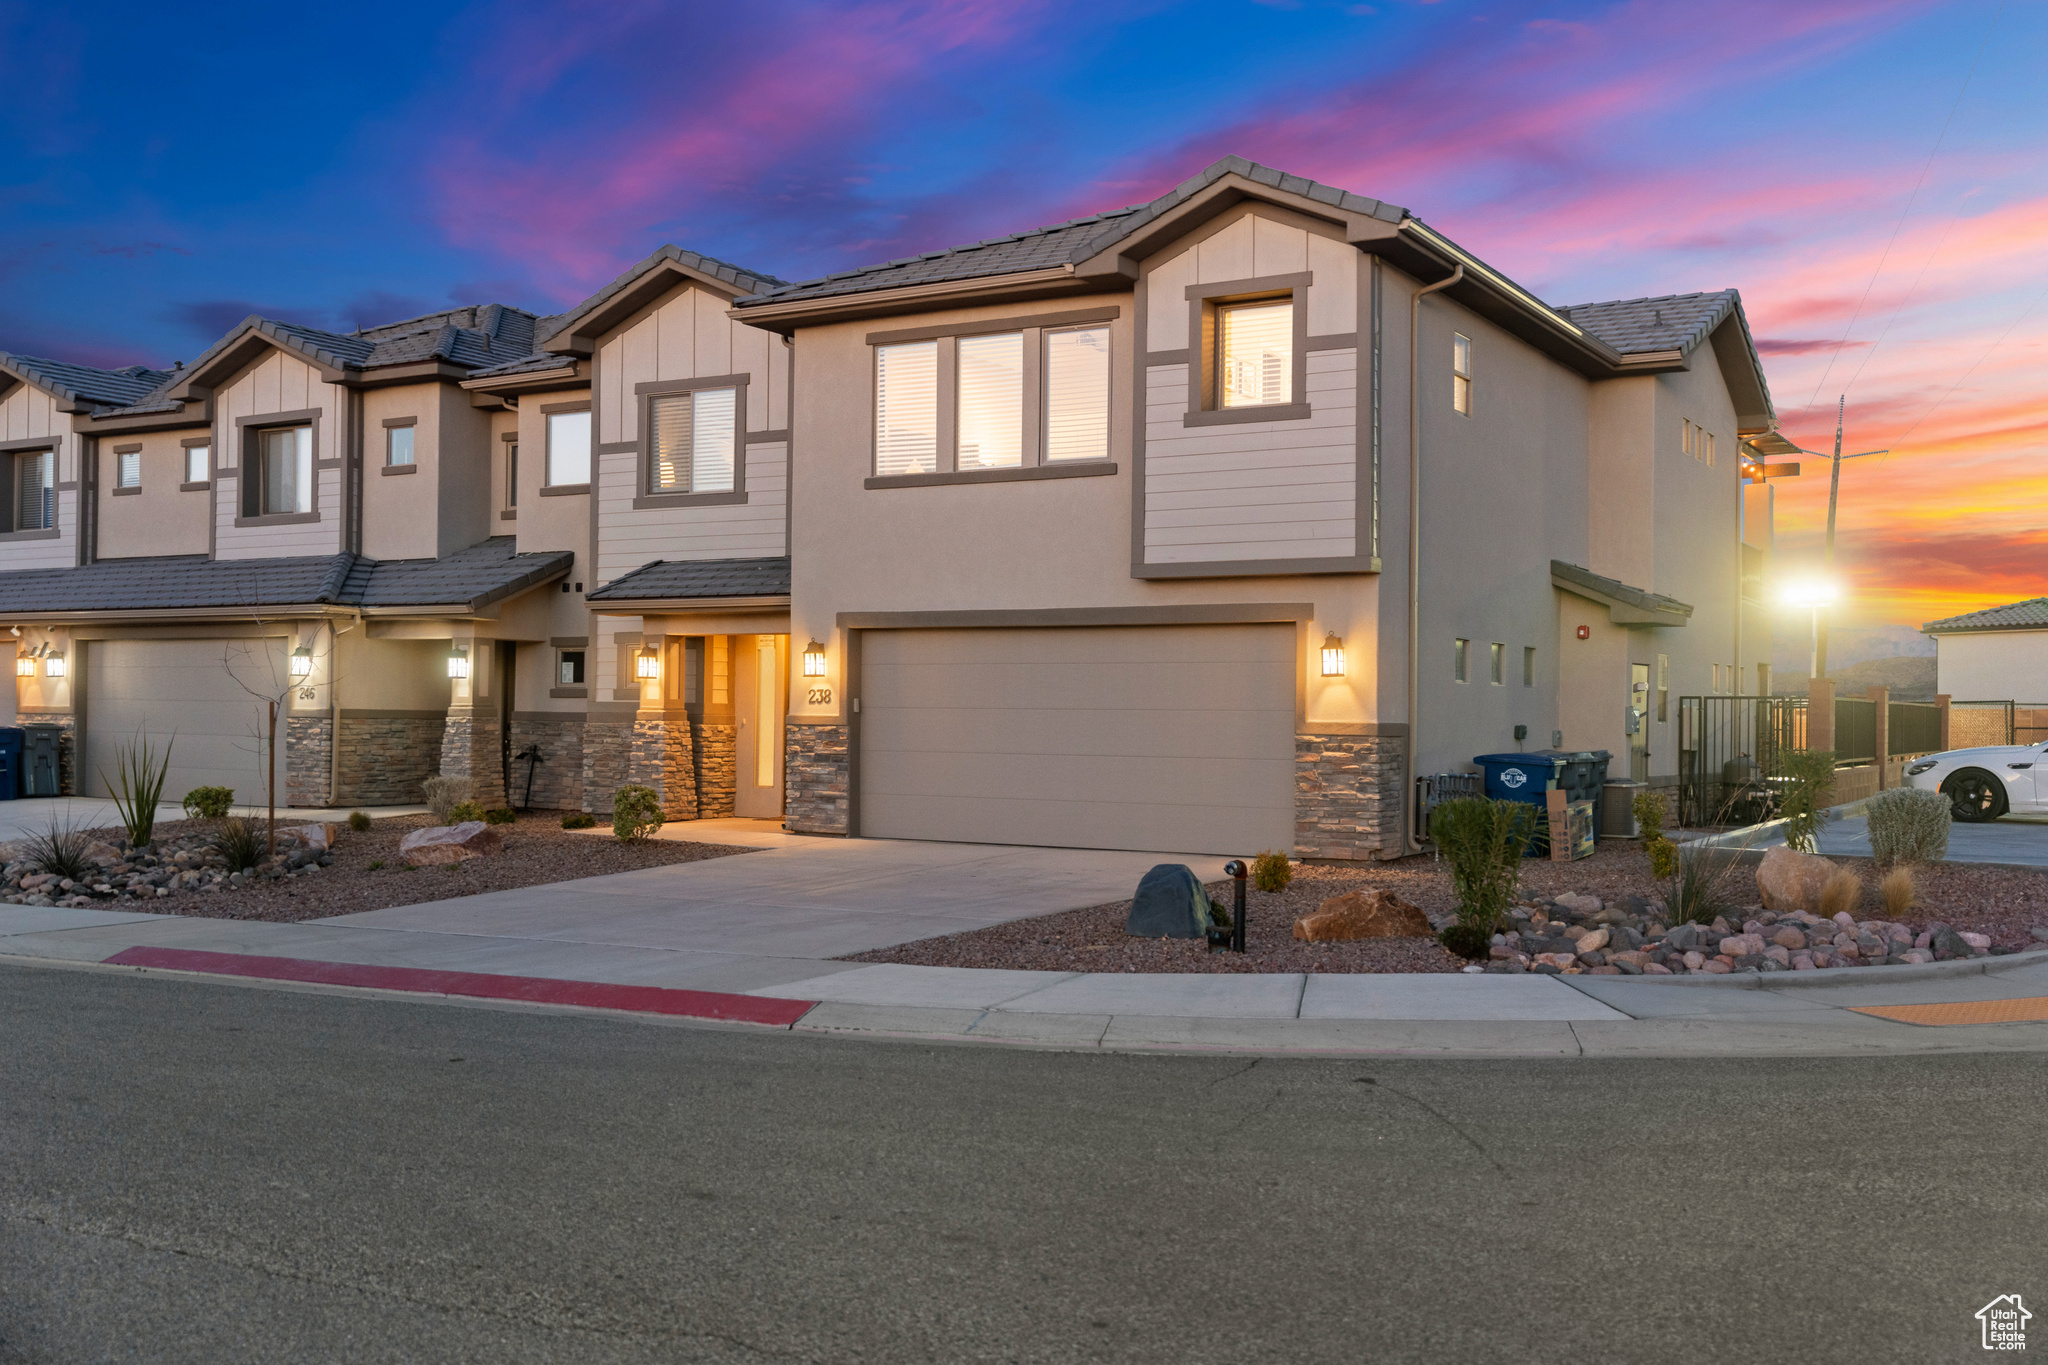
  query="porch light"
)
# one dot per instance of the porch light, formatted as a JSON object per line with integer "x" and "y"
{"x": 814, "y": 660}
{"x": 1333, "y": 656}
{"x": 302, "y": 662}
{"x": 458, "y": 662}
{"x": 53, "y": 665}
{"x": 24, "y": 666}
{"x": 648, "y": 664}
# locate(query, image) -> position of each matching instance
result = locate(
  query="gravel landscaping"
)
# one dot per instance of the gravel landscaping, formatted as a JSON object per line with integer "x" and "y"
{"x": 2002, "y": 906}
{"x": 181, "y": 873}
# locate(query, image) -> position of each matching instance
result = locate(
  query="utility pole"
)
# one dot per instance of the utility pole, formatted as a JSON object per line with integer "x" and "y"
{"x": 1820, "y": 628}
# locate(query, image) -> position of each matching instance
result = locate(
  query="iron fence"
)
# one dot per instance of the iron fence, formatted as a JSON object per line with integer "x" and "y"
{"x": 1729, "y": 756}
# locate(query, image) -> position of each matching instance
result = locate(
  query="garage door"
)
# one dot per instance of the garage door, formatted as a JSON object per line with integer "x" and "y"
{"x": 1168, "y": 738}
{"x": 185, "y": 693}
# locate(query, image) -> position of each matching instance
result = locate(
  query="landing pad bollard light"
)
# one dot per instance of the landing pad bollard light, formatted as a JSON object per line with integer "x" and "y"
{"x": 1237, "y": 871}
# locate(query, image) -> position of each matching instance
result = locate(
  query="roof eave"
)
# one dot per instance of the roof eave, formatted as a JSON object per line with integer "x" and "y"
{"x": 1016, "y": 287}
{"x": 576, "y": 332}
{"x": 694, "y": 605}
{"x": 1622, "y": 610}
{"x": 531, "y": 381}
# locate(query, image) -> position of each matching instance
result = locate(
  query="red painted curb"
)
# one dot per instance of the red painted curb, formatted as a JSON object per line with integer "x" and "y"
{"x": 745, "y": 1009}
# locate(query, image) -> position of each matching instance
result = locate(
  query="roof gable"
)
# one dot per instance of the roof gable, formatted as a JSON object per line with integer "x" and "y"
{"x": 84, "y": 388}
{"x": 575, "y": 332}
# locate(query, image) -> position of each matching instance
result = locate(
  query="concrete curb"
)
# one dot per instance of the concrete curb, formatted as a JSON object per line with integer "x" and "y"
{"x": 1834, "y": 976}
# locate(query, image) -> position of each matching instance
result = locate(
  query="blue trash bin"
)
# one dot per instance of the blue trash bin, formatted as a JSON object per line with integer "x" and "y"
{"x": 1527, "y": 778}
{"x": 11, "y": 739}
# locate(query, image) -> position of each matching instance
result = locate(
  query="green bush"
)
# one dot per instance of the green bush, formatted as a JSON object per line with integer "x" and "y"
{"x": 499, "y": 816}
{"x": 443, "y": 794}
{"x": 1663, "y": 858}
{"x": 636, "y": 812}
{"x": 209, "y": 803}
{"x": 580, "y": 820}
{"x": 1466, "y": 940}
{"x": 1271, "y": 871}
{"x": 238, "y": 844}
{"x": 1809, "y": 778}
{"x": 359, "y": 820}
{"x": 1219, "y": 913}
{"x": 462, "y": 812}
{"x": 1908, "y": 825}
{"x": 1483, "y": 841}
{"x": 1649, "y": 809}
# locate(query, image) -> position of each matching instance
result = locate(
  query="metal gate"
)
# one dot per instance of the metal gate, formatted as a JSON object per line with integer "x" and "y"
{"x": 1729, "y": 756}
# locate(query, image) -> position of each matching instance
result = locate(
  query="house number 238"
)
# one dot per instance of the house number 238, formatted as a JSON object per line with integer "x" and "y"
{"x": 820, "y": 696}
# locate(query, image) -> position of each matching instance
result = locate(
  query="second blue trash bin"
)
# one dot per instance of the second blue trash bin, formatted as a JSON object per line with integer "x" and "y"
{"x": 11, "y": 737}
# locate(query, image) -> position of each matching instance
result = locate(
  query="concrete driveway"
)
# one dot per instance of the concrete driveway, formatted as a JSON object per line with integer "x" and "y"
{"x": 2019, "y": 840}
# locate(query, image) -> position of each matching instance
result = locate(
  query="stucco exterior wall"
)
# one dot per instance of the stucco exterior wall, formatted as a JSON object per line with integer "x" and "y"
{"x": 2004, "y": 665}
{"x": 164, "y": 518}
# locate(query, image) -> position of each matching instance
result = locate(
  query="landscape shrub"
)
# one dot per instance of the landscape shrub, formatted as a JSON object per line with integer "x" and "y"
{"x": 1466, "y": 940}
{"x": 463, "y": 812}
{"x": 1663, "y": 858}
{"x": 1701, "y": 886}
{"x": 1271, "y": 871}
{"x": 1483, "y": 842}
{"x": 1843, "y": 891}
{"x": 499, "y": 816}
{"x": 1908, "y": 825}
{"x": 636, "y": 812}
{"x": 238, "y": 844}
{"x": 138, "y": 785}
{"x": 580, "y": 820}
{"x": 442, "y": 793}
{"x": 359, "y": 820}
{"x": 1898, "y": 891}
{"x": 1809, "y": 779}
{"x": 1219, "y": 913}
{"x": 209, "y": 803}
{"x": 60, "y": 851}
{"x": 1649, "y": 811}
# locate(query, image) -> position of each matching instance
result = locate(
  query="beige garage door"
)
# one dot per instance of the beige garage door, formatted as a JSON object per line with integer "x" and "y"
{"x": 1167, "y": 738}
{"x": 184, "y": 693}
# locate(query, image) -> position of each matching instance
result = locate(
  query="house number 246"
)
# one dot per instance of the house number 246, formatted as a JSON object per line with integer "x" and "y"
{"x": 819, "y": 696}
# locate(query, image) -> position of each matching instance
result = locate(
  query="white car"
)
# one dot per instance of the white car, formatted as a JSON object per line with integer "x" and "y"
{"x": 1983, "y": 784}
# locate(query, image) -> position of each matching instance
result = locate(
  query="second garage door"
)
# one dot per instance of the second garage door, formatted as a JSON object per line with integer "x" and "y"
{"x": 183, "y": 693}
{"x": 1167, "y": 738}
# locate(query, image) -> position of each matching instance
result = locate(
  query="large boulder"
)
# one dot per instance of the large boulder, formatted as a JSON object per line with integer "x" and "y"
{"x": 322, "y": 836}
{"x": 1789, "y": 880}
{"x": 1171, "y": 903}
{"x": 1358, "y": 915}
{"x": 449, "y": 844}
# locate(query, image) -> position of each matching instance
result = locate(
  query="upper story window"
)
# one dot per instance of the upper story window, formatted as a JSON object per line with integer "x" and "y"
{"x": 128, "y": 469}
{"x": 198, "y": 463}
{"x": 1077, "y": 394}
{"x": 1255, "y": 353}
{"x": 907, "y": 408}
{"x": 1461, "y": 373}
{"x": 695, "y": 441}
{"x": 511, "y": 475}
{"x": 282, "y": 481}
{"x": 568, "y": 454}
{"x": 1016, "y": 399}
{"x": 35, "y": 491}
{"x": 1461, "y": 650}
{"x": 990, "y": 426}
{"x": 398, "y": 444}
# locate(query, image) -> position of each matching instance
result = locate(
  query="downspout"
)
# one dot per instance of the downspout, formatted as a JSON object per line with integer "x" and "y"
{"x": 1412, "y": 838}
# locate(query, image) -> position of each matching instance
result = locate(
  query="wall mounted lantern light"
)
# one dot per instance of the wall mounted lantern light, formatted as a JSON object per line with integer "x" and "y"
{"x": 24, "y": 666}
{"x": 302, "y": 662}
{"x": 53, "y": 665}
{"x": 648, "y": 664}
{"x": 814, "y": 660}
{"x": 458, "y": 662}
{"x": 1333, "y": 656}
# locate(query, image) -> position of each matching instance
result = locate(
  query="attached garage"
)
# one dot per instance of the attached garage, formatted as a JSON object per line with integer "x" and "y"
{"x": 185, "y": 693}
{"x": 1168, "y": 738}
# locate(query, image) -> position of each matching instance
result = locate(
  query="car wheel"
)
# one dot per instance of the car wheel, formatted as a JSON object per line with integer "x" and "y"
{"x": 1974, "y": 796}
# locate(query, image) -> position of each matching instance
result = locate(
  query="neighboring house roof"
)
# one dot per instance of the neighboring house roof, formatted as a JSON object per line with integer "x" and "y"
{"x": 85, "y": 386}
{"x": 538, "y": 362}
{"x": 1626, "y": 606}
{"x": 699, "y": 578}
{"x": 470, "y": 338}
{"x": 468, "y": 580}
{"x": 2031, "y": 614}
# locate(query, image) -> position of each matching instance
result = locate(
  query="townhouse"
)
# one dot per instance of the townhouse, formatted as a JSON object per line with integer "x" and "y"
{"x": 1208, "y": 524}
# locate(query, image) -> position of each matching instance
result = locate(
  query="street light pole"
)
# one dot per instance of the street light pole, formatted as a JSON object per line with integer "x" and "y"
{"x": 1819, "y": 663}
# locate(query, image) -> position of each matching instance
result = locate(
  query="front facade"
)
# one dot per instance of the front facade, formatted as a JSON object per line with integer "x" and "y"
{"x": 1206, "y": 525}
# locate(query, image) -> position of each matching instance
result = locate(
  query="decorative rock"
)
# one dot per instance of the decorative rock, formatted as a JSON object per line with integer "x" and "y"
{"x": 1974, "y": 940}
{"x": 1171, "y": 902}
{"x": 1802, "y": 962}
{"x": 1357, "y": 915}
{"x": 1695, "y": 960}
{"x": 319, "y": 837}
{"x": 1555, "y": 961}
{"x": 1949, "y": 944}
{"x": 1598, "y": 939}
{"x": 1574, "y": 900}
{"x": 1788, "y": 938}
{"x": 451, "y": 844}
{"x": 1716, "y": 966}
{"x": 2039, "y": 933}
{"x": 1683, "y": 937}
{"x": 1789, "y": 880}
{"x": 1655, "y": 969}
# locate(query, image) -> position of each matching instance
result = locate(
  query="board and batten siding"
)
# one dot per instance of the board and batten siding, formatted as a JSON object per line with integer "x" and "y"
{"x": 278, "y": 383}
{"x": 1253, "y": 490}
{"x": 686, "y": 336}
{"x": 629, "y": 538}
{"x": 27, "y": 414}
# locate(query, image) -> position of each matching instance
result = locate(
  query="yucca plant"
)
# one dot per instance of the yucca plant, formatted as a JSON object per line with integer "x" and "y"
{"x": 138, "y": 786}
{"x": 59, "y": 850}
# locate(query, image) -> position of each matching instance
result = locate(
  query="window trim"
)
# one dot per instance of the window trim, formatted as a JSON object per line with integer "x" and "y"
{"x": 14, "y": 451}
{"x": 249, "y": 469}
{"x": 1204, "y": 409}
{"x": 547, "y": 441}
{"x": 117, "y": 488}
{"x": 392, "y": 424}
{"x": 1044, "y": 399}
{"x": 185, "y": 449}
{"x": 1461, "y": 379}
{"x": 643, "y": 475}
{"x": 509, "y": 443}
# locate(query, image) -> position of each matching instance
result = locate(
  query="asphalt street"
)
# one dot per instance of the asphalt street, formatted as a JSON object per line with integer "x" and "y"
{"x": 192, "y": 1171}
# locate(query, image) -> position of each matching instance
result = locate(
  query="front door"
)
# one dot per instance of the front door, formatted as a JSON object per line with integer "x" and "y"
{"x": 1639, "y": 722}
{"x": 761, "y": 674}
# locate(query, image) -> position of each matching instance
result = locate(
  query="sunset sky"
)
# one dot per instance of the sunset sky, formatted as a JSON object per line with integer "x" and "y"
{"x": 1870, "y": 175}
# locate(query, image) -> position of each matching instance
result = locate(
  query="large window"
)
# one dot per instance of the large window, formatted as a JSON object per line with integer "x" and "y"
{"x": 568, "y": 458}
{"x": 991, "y": 412}
{"x": 35, "y": 491}
{"x": 907, "y": 408}
{"x": 1256, "y": 354}
{"x": 1077, "y": 394}
{"x": 283, "y": 481}
{"x": 695, "y": 441}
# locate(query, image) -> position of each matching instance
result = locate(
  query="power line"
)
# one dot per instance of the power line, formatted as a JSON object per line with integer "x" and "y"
{"x": 1978, "y": 361}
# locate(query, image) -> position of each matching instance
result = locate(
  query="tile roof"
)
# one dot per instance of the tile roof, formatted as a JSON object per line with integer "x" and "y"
{"x": 467, "y": 580}
{"x": 85, "y": 383}
{"x": 1640, "y": 598}
{"x": 2031, "y": 614}
{"x": 1068, "y": 242}
{"x": 679, "y": 578}
{"x": 526, "y": 364}
{"x": 1670, "y": 322}
{"x": 739, "y": 277}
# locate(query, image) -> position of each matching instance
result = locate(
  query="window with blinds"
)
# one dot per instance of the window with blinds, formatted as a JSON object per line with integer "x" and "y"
{"x": 35, "y": 491}
{"x": 991, "y": 398}
{"x": 1256, "y": 354}
{"x": 1461, "y": 373}
{"x": 1077, "y": 395}
{"x": 696, "y": 436}
{"x": 907, "y": 408}
{"x": 129, "y": 472}
{"x": 198, "y": 464}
